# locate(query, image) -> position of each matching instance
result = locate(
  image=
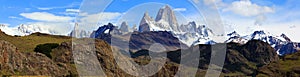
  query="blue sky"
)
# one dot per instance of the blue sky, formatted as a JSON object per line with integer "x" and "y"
{"x": 240, "y": 14}
{"x": 11, "y": 10}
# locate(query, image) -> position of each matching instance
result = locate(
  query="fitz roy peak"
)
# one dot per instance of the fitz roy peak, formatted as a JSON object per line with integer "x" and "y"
{"x": 166, "y": 17}
{"x": 164, "y": 21}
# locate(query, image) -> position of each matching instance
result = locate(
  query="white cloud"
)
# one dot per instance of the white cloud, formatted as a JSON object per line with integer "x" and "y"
{"x": 291, "y": 29}
{"x": 260, "y": 20}
{"x": 40, "y": 8}
{"x": 179, "y": 9}
{"x": 68, "y": 13}
{"x": 14, "y": 17}
{"x": 58, "y": 7}
{"x": 73, "y": 10}
{"x": 44, "y": 16}
{"x": 247, "y": 8}
{"x": 60, "y": 28}
{"x": 104, "y": 16}
{"x": 210, "y": 2}
{"x": 92, "y": 21}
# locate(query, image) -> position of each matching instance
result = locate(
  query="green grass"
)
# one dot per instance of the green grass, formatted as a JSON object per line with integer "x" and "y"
{"x": 28, "y": 43}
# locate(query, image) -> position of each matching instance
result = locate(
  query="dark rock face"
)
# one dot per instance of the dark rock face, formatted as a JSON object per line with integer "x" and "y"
{"x": 239, "y": 58}
{"x": 101, "y": 30}
{"x": 13, "y": 62}
{"x": 138, "y": 40}
{"x": 288, "y": 48}
{"x": 143, "y": 40}
{"x": 259, "y": 52}
{"x": 247, "y": 58}
{"x": 63, "y": 53}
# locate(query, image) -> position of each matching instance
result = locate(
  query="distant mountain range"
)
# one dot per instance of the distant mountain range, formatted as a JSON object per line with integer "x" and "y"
{"x": 27, "y": 29}
{"x": 189, "y": 34}
{"x": 282, "y": 44}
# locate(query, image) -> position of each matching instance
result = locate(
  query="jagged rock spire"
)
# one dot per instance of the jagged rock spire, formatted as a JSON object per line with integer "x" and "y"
{"x": 124, "y": 27}
{"x": 145, "y": 23}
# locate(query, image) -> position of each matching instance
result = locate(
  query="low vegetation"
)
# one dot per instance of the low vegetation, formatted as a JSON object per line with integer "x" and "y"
{"x": 288, "y": 66}
{"x": 28, "y": 43}
{"x": 46, "y": 48}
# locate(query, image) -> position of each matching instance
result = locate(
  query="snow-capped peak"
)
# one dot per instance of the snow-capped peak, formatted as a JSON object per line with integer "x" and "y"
{"x": 259, "y": 35}
{"x": 165, "y": 21}
{"x": 27, "y": 29}
{"x": 10, "y": 31}
{"x": 282, "y": 44}
{"x": 148, "y": 24}
{"x": 285, "y": 37}
{"x": 237, "y": 38}
{"x": 233, "y": 34}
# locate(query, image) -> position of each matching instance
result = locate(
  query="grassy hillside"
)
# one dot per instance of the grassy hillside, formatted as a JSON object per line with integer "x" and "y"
{"x": 288, "y": 66}
{"x": 28, "y": 43}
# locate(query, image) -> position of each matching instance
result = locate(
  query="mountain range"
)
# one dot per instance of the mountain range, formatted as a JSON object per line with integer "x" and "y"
{"x": 282, "y": 44}
{"x": 189, "y": 34}
{"x": 27, "y": 29}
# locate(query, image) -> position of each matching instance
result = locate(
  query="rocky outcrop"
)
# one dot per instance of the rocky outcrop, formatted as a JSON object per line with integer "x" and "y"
{"x": 106, "y": 60}
{"x": 249, "y": 57}
{"x": 13, "y": 62}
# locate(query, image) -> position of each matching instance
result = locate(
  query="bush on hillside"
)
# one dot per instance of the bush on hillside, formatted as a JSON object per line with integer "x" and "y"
{"x": 46, "y": 48}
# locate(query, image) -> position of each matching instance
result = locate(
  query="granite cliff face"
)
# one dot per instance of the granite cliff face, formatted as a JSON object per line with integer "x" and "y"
{"x": 165, "y": 21}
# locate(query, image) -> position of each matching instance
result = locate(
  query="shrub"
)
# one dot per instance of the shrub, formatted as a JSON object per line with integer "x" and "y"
{"x": 46, "y": 48}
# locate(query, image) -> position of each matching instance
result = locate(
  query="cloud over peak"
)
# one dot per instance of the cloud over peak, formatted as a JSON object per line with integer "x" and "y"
{"x": 179, "y": 9}
{"x": 45, "y": 16}
{"x": 247, "y": 8}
